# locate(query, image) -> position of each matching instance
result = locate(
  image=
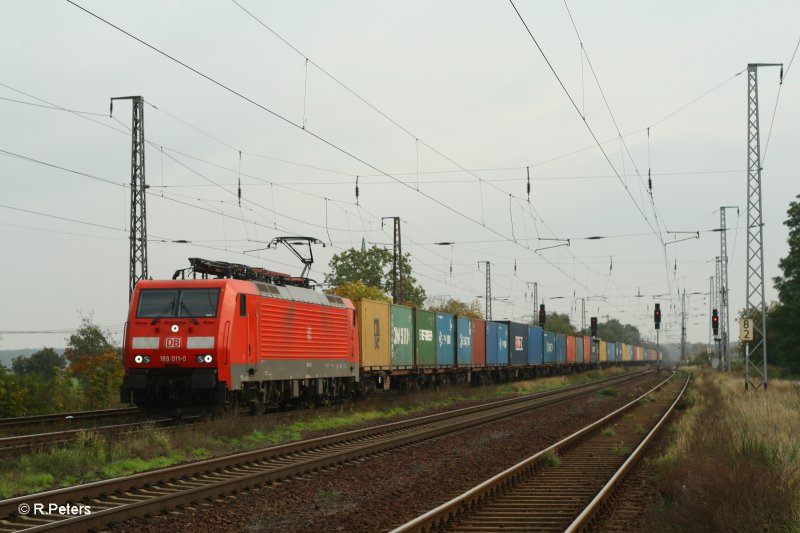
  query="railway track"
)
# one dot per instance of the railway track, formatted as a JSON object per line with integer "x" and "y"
{"x": 24, "y": 443}
{"x": 9, "y": 425}
{"x": 152, "y": 492}
{"x": 563, "y": 487}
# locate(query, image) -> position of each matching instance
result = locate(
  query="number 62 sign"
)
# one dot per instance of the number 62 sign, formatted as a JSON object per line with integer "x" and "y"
{"x": 745, "y": 329}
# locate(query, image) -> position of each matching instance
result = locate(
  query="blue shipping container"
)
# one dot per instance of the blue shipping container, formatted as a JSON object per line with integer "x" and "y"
{"x": 517, "y": 343}
{"x": 492, "y": 344}
{"x": 535, "y": 341}
{"x": 464, "y": 337}
{"x": 610, "y": 349}
{"x": 445, "y": 340}
{"x": 561, "y": 348}
{"x": 502, "y": 344}
{"x": 549, "y": 348}
{"x": 579, "y": 349}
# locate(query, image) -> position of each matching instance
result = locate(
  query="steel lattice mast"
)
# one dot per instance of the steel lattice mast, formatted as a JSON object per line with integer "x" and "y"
{"x": 489, "y": 288}
{"x": 138, "y": 228}
{"x": 583, "y": 315}
{"x": 756, "y": 359}
{"x": 683, "y": 326}
{"x": 397, "y": 263}
{"x": 717, "y": 302}
{"x": 724, "y": 308}
{"x": 711, "y": 303}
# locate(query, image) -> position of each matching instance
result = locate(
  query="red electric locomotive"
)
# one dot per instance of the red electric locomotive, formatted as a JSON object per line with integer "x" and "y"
{"x": 247, "y": 336}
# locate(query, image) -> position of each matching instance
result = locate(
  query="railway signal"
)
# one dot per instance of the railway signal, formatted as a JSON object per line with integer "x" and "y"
{"x": 542, "y": 315}
{"x": 657, "y": 316}
{"x": 715, "y": 322}
{"x": 593, "y": 322}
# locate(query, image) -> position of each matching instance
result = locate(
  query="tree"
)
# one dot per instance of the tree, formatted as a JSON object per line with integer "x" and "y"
{"x": 615, "y": 331}
{"x": 45, "y": 363}
{"x": 12, "y": 395}
{"x": 373, "y": 267}
{"x": 96, "y": 363}
{"x": 557, "y": 323}
{"x": 457, "y": 307}
{"x": 783, "y": 333}
{"x": 356, "y": 290}
{"x": 88, "y": 340}
{"x": 101, "y": 376}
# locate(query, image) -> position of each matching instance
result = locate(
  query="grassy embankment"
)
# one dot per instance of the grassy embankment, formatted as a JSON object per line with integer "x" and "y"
{"x": 733, "y": 463}
{"x": 94, "y": 457}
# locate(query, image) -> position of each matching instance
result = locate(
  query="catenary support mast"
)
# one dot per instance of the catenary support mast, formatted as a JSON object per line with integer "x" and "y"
{"x": 755, "y": 308}
{"x": 138, "y": 228}
{"x": 724, "y": 309}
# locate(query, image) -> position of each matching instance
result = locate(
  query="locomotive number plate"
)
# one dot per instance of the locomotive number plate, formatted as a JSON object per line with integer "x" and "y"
{"x": 172, "y": 342}
{"x": 173, "y": 358}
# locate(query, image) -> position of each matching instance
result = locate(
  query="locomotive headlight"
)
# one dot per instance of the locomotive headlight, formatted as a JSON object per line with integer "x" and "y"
{"x": 200, "y": 358}
{"x": 138, "y": 359}
{"x": 146, "y": 359}
{"x": 208, "y": 358}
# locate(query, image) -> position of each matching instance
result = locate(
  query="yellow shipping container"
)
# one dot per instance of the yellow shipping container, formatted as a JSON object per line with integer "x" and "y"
{"x": 626, "y": 354}
{"x": 373, "y": 332}
{"x": 603, "y": 355}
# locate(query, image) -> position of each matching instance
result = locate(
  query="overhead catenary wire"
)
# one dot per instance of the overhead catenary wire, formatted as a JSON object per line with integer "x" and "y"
{"x": 55, "y": 107}
{"x": 323, "y": 140}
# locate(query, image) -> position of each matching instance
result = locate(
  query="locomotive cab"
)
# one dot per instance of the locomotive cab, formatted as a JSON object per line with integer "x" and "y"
{"x": 176, "y": 343}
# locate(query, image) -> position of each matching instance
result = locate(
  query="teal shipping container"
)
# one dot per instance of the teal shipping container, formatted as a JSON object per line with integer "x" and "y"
{"x": 502, "y": 344}
{"x": 402, "y": 329}
{"x": 445, "y": 340}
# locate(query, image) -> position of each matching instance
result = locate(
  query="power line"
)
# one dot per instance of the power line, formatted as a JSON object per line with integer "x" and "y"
{"x": 311, "y": 133}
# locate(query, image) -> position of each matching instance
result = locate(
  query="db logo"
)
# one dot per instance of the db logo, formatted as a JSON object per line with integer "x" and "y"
{"x": 172, "y": 342}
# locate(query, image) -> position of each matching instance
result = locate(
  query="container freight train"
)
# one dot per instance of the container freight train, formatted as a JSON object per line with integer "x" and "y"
{"x": 262, "y": 339}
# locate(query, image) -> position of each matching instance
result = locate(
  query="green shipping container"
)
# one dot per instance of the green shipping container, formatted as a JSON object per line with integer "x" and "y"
{"x": 425, "y": 327}
{"x": 402, "y": 337}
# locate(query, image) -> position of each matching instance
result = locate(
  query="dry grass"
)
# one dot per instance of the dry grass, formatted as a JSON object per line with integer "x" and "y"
{"x": 734, "y": 460}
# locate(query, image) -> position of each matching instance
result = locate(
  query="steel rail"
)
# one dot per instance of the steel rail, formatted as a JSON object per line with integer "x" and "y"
{"x": 19, "y": 443}
{"x": 65, "y": 417}
{"x": 150, "y": 492}
{"x": 445, "y": 514}
{"x": 584, "y": 519}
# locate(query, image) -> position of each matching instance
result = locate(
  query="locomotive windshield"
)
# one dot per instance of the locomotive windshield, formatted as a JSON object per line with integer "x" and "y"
{"x": 177, "y": 303}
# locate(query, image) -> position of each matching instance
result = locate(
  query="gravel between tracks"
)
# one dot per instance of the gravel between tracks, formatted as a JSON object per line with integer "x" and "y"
{"x": 382, "y": 492}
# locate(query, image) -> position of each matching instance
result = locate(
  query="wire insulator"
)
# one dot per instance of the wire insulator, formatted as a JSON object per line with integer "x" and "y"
{"x": 240, "y": 179}
{"x": 529, "y": 183}
{"x": 356, "y": 190}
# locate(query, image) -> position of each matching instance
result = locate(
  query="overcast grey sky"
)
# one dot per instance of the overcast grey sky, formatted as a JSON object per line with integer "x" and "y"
{"x": 466, "y": 102}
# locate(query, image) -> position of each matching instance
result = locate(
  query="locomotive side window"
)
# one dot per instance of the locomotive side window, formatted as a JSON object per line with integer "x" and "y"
{"x": 171, "y": 303}
{"x": 242, "y": 305}
{"x": 157, "y": 303}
